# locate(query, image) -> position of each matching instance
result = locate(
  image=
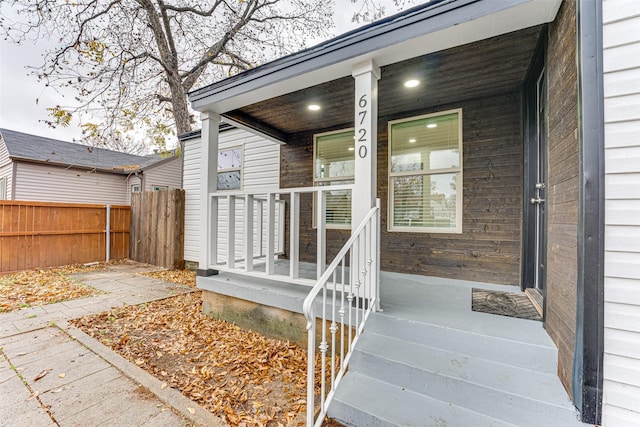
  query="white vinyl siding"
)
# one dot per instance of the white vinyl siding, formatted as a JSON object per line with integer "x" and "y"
{"x": 260, "y": 171}
{"x": 167, "y": 173}
{"x": 59, "y": 184}
{"x": 6, "y": 171}
{"x": 621, "y": 39}
{"x": 134, "y": 183}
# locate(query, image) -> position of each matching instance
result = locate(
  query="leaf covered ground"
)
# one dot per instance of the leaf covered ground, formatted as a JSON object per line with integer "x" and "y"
{"x": 43, "y": 286}
{"x": 240, "y": 375}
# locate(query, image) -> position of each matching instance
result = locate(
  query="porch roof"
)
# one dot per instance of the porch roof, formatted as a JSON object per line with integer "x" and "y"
{"x": 425, "y": 29}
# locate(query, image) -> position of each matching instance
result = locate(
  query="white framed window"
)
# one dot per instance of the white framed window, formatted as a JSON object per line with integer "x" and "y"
{"x": 230, "y": 163}
{"x": 3, "y": 188}
{"x": 159, "y": 187}
{"x": 333, "y": 164}
{"x": 425, "y": 173}
{"x": 135, "y": 188}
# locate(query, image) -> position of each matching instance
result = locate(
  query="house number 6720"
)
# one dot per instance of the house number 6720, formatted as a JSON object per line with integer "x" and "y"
{"x": 362, "y": 132}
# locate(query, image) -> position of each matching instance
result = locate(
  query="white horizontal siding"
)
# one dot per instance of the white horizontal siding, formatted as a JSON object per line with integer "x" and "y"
{"x": 621, "y": 55}
{"x": 261, "y": 171}
{"x": 6, "y": 169}
{"x": 58, "y": 184}
{"x": 168, "y": 173}
{"x": 191, "y": 185}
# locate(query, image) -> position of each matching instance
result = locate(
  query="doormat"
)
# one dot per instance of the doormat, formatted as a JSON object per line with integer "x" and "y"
{"x": 504, "y": 304}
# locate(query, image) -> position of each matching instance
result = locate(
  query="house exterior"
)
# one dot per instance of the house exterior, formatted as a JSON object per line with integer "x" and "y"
{"x": 257, "y": 169}
{"x": 44, "y": 169}
{"x": 459, "y": 141}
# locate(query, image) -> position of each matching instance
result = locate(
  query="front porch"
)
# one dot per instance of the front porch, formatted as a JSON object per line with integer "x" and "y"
{"x": 427, "y": 358}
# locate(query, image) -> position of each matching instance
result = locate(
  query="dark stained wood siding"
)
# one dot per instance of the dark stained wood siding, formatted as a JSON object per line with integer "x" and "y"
{"x": 489, "y": 247}
{"x": 562, "y": 196}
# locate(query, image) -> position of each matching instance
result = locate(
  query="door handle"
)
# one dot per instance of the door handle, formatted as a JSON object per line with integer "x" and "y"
{"x": 536, "y": 200}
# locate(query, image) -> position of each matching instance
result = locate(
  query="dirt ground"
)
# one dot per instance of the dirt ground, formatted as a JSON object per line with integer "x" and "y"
{"x": 242, "y": 376}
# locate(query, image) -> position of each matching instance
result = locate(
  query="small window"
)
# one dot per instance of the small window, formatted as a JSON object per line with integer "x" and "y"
{"x": 3, "y": 188}
{"x": 425, "y": 173}
{"x": 334, "y": 163}
{"x": 230, "y": 169}
{"x": 135, "y": 188}
{"x": 159, "y": 187}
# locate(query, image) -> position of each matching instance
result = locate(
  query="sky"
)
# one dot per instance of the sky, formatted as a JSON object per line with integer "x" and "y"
{"x": 19, "y": 91}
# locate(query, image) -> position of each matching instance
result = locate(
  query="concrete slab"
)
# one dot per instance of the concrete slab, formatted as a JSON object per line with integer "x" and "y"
{"x": 82, "y": 386}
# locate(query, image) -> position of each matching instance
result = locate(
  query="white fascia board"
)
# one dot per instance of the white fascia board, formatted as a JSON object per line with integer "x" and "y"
{"x": 304, "y": 74}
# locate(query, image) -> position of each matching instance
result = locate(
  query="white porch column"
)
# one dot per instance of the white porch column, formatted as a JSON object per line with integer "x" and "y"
{"x": 363, "y": 198}
{"x": 208, "y": 184}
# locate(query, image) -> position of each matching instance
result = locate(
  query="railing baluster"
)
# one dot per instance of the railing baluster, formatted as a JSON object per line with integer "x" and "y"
{"x": 213, "y": 232}
{"x": 248, "y": 233}
{"x": 259, "y": 227}
{"x": 342, "y": 312}
{"x": 231, "y": 231}
{"x": 271, "y": 211}
{"x": 311, "y": 364}
{"x": 334, "y": 329}
{"x": 323, "y": 346}
{"x": 321, "y": 243}
{"x": 356, "y": 279}
{"x": 294, "y": 232}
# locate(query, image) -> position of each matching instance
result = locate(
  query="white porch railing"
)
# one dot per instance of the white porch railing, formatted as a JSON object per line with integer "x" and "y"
{"x": 347, "y": 295}
{"x": 248, "y": 231}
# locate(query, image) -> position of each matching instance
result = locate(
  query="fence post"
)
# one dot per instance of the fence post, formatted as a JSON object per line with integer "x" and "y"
{"x": 108, "y": 232}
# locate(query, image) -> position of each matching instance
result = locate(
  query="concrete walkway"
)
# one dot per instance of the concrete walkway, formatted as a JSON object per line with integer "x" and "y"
{"x": 85, "y": 383}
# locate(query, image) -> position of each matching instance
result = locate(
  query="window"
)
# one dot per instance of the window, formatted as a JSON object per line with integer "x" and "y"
{"x": 230, "y": 169}
{"x": 159, "y": 187}
{"x": 334, "y": 162}
{"x": 3, "y": 188}
{"x": 135, "y": 188}
{"x": 425, "y": 173}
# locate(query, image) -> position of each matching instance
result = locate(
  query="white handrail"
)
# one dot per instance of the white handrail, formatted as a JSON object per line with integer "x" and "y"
{"x": 362, "y": 251}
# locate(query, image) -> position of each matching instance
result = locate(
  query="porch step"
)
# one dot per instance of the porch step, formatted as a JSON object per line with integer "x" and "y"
{"x": 388, "y": 405}
{"x": 540, "y": 357}
{"x": 405, "y": 372}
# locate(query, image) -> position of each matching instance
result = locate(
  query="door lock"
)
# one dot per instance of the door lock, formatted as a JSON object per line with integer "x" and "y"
{"x": 540, "y": 185}
{"x": 536, "y": 200}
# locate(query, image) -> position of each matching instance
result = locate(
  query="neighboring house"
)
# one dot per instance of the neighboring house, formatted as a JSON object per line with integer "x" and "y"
{"x": 49, "y": 170}
{"x": 256, "y": 167}
{"x": 481, "y": 127}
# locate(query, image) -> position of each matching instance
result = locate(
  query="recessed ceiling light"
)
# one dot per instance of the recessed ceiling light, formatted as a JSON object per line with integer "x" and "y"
{"x": 411, "y": 83}
{"x": 432, "y": 125}
{"x": 412, "y": 141}
{"x": 351, "y": 149}
{"x": 313, "y": 107}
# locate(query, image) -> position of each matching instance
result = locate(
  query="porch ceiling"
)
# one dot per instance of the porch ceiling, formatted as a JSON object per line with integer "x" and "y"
{"x": 494, "y": 65}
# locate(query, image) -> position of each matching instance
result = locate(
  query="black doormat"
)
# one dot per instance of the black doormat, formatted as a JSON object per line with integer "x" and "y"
{"x": 504, "y": 303}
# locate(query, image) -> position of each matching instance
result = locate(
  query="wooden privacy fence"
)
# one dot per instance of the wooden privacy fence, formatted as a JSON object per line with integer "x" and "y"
{"x": 157, "y": 227}
{"x": 42, "y": 234}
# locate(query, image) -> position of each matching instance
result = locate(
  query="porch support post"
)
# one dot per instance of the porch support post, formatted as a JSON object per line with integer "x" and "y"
{"x": 363, "y": 197}
{"x": 208, "y": 184}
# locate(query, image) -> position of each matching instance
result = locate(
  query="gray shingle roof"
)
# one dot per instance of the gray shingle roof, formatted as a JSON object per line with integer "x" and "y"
{"x": 46, "y": 150}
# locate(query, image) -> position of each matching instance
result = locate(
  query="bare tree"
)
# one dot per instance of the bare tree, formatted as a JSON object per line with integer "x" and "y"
{"x": 130, "y": 63}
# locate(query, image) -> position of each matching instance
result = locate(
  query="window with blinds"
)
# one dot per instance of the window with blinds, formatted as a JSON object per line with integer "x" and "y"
{"x": 230, "y": 169}
{"x": 425, "y": 173}
{"x": 334, "y": 162}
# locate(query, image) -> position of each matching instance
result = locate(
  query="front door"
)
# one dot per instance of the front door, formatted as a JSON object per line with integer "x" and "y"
{"x": 535, "y": 183}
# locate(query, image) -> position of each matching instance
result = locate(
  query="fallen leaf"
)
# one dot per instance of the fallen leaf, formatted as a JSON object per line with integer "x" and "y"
{"x": 58, "y": 390}
{"x": 139, "y": 362}
{"x": 163, "y": 386}
{"x": 61, "y": 375}
{"x": 33, "y": 395}
{"x": 41, "y": 374}
{"x": 192, "y": 411}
